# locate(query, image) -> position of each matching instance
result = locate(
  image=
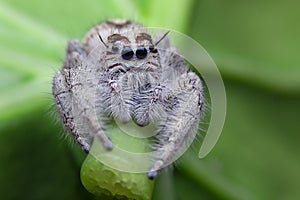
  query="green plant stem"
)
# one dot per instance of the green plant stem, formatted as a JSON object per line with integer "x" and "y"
{"x": 105, "y": 181}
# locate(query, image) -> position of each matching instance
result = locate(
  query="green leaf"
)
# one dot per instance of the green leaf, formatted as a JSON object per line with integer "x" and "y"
{"x": 255, "y": 42}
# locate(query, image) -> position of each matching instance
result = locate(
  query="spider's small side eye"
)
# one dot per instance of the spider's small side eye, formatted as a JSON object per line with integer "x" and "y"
{"x": 141, "y": 52}
{"x": 152, "y": 49}
{"x": 127, "y": 53}
{"x": 115, "y": 48}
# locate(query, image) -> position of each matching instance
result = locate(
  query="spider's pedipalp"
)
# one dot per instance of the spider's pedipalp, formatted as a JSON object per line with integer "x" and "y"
{"x": 150, "y": 107}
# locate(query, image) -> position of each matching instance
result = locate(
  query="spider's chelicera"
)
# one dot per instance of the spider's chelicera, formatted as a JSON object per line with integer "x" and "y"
{"x": 119, "y": 72}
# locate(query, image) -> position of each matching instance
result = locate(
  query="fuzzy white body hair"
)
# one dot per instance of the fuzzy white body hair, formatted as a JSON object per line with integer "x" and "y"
{"x": 119, "y": 72}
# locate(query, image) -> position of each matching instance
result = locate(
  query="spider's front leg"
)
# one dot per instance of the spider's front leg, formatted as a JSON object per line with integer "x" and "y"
{"x": 63, "y": 98}
{"x": 180, "y": 125}
{"x": 73, "y": 98}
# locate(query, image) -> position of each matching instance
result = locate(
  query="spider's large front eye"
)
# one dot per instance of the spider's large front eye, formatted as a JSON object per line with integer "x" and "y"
{"x": 127, "y": 53}
{"x": 141, "y": 52}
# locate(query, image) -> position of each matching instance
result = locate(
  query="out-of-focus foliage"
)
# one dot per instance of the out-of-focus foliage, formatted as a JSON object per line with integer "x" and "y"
{"x": 256, "y": 46}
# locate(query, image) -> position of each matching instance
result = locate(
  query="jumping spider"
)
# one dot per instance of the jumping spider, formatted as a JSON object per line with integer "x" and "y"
{"x": 120, "y": 72}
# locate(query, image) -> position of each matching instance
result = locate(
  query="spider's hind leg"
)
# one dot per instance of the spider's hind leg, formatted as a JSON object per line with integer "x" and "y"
{"x": 181, "y": 123}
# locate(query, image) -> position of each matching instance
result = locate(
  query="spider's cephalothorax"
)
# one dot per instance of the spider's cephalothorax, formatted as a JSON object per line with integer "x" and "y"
{"x": 119, "y": 71}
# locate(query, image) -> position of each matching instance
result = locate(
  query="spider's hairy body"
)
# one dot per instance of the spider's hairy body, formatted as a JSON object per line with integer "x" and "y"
{"x": 120, "y": 72}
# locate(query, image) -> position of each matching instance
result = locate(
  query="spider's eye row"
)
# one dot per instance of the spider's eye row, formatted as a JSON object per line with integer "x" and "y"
{"x": 127, "y": 53}
{"x": 141, "y": 52}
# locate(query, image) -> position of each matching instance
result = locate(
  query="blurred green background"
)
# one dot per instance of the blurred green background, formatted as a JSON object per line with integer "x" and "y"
{"x": 256, "y": 46}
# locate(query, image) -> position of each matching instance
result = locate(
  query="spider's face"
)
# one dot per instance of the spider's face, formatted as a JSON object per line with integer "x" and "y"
{"x": 136, "y": 48}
